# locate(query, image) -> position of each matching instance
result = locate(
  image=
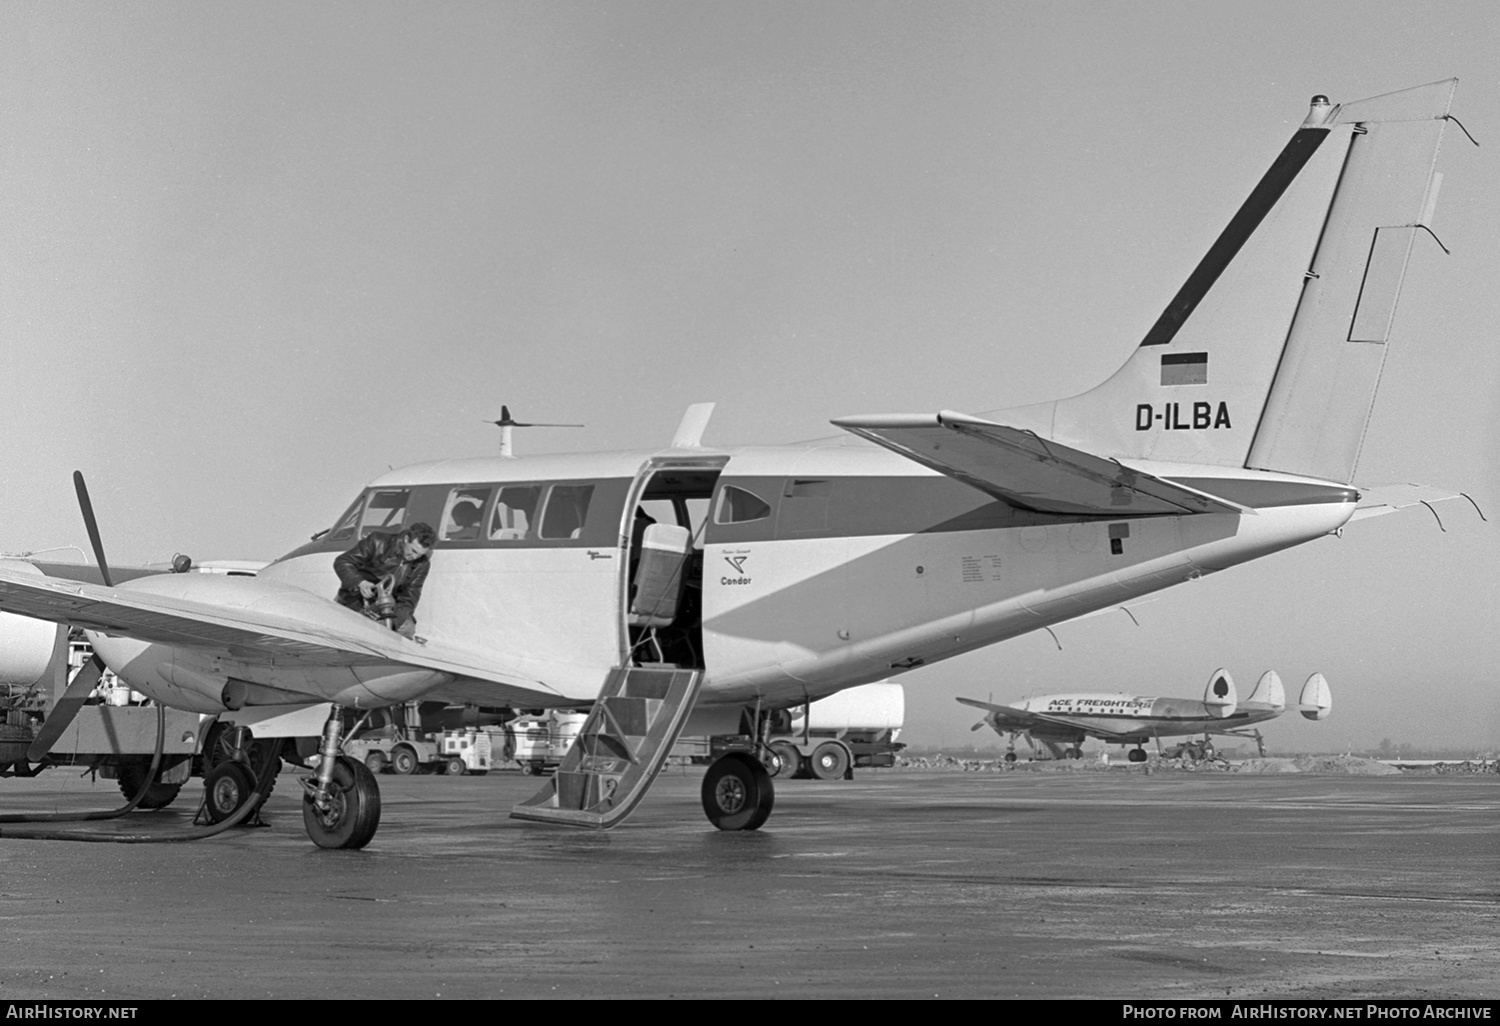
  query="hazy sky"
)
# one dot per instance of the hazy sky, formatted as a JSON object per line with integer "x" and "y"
{"x": 251, "y": 255}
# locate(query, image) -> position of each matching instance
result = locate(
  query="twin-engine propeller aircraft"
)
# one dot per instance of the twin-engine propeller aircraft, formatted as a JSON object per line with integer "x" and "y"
{"x": 774, "y": 576}
{"x": 1059, "y": 723}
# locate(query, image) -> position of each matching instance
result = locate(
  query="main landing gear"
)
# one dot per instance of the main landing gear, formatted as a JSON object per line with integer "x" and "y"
{"x": 341, "y": 803}
{"x": 737, "y": 792}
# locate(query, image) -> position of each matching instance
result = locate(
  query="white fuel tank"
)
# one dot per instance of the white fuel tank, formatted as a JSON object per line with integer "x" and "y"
{"x": 879, "y": 706}
{"x": 26, "y": 644}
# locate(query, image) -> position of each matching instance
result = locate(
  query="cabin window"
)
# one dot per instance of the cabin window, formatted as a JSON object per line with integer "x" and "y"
{"x": 515, "y": 509}
{"x": 737, "y": 506}
{"x": 567, "y": 508}
{"x": 463, "y": 513}
{"x": 386, "y": 511}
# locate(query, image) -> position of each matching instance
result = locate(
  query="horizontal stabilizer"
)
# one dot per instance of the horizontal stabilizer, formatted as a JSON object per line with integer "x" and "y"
{"x": 1026, "y": 470}
{"x": 1316, "y": 701}
{"x": 1220, "y": 695}
{"x": 1269, "y": 693}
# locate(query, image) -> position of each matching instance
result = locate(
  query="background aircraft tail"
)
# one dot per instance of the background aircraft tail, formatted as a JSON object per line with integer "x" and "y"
{"x": 1316, "y": 700}
{"x": 1270, "y": 353}
{"x": 1268, "y": 692}
{"x": 1220, "y": 695}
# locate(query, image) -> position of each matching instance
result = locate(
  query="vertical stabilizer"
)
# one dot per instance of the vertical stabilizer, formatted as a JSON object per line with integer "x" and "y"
{"x": 1268, "y": 355}
{"x": 1220, "y": 695}
{"x": 1320, "y": 403}
{"x": 1316, "y": 700}
{"x": 1269, "y": 692}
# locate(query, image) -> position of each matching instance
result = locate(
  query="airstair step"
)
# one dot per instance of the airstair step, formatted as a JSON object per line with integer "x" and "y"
{"x": 623, "y": 744}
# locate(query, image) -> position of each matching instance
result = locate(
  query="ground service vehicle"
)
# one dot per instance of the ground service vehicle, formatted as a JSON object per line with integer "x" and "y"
{"x": 826, "y": 739}
{"x": 543, "y": 739}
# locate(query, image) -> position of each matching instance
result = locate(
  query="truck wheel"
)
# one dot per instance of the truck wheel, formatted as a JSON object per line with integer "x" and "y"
{"x": 404, "y": 761}
{"x": 791, "y": 760}
{"x": 455, "y": 767}
{"x": 133, "y": 777}
{"x": 737, "y": 792}
{"x": 830, "y": 761}
{"x": 353, "y": 812}
{"x": 375, "y": 762}
{"x": 227, "y": 786}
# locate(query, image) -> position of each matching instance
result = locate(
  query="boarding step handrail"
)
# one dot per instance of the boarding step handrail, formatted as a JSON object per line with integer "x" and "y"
{"x": 620, "y": 749}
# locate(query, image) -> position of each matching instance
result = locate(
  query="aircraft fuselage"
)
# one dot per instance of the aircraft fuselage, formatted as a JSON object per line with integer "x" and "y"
{"x": 816, "y": 568}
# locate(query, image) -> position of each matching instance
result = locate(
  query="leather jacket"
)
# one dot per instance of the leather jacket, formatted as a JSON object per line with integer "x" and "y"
{"x": 377, "y": 555}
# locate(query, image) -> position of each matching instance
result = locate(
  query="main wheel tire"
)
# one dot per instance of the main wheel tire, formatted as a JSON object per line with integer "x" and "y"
{"x": 353, "y": 812}
{"x": 404, "y": 761}
{"x": 1073, "y": 753}
{"x": 791, "y": 760}
{"x": 455, "y": 767}
{"x": 375, "y": 762}
{"x": 1010, "y": 756}
{"x": 1136, "y": 755}
{"x": 737, "y": 792}
{"x": 132, "y": 776}
{"x": 830, "y": 761}
{"x": 227, "y": 786}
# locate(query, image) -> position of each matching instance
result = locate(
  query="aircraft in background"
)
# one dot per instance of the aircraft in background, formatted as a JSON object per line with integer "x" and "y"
{"x": 774, "y": 576}
{"x": 1060, "y": 723}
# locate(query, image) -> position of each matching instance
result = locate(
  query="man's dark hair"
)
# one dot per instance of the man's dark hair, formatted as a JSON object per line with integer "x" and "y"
{"x": 422, "y": 534}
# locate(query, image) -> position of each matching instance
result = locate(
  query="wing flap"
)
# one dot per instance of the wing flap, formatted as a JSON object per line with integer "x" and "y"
{"x": 1028, "y": 471}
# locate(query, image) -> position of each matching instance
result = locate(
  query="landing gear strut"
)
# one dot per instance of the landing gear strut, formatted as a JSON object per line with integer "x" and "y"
{"x": 341, "y": 806}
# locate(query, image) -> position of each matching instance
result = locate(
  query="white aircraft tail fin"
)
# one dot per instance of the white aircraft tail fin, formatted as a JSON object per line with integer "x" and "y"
{"x": 1269, "y": 355}
{"x": 1316, "y": 701}
{"x": 1220, "y": 695}
{"x": 1268, "y": 692}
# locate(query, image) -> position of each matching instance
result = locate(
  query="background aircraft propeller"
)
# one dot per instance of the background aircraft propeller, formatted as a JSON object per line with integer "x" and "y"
{"x": 87, "y": 678}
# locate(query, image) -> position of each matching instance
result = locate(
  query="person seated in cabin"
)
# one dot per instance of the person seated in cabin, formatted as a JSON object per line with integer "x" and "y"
{"x": 463, "y": 522}
{"x": 402, "y": 558}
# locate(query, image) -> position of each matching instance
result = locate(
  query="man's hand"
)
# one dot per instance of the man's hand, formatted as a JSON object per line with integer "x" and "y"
{"x": 367, "y": 589}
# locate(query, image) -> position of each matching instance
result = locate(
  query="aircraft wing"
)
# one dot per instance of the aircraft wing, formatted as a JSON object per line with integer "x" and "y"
{"x": 1026, "y": 470}
{"x": 1011, "y": 718}
{"x": 244, "y": 632}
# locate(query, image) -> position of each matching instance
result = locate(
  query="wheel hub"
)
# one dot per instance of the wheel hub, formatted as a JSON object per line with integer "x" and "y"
{"x": 730, "y": 795}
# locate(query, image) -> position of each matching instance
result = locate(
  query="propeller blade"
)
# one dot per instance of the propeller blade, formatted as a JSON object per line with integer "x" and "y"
{"x": 65, "y": 708}
{"x": 977, "y": 726}
{"x": 92, "y": 525}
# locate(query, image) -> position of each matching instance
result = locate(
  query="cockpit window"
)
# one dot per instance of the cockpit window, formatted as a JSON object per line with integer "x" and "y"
{"x": 343, "y": 528}
{"x": 737, "y": 506}
{"x": 463, "y": 513}
{"x": 567, "y": 508}
{"x": 515, "y": 510}
{"x": 386, "y": 511}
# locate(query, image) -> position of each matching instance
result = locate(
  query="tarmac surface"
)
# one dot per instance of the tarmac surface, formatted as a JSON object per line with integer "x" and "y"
{"x": 1111, "y": 884}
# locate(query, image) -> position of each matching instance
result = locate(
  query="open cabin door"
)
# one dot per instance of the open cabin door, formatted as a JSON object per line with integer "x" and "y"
{"x": 645, "y": 703}
{"x": 662, "y": 590}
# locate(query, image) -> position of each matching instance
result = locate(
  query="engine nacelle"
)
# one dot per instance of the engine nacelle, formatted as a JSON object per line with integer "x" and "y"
{"x": 26, "y": 644}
